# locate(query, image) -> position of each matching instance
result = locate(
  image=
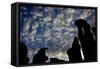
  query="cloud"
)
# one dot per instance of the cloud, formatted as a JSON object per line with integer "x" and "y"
{"x": 57, "y": 54}
{"x": 47, "y": 19}
{"x": 38, "y": 14}
{"x": 31, "y": 53}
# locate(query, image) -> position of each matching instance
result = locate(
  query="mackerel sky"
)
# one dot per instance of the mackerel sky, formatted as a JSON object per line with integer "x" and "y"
{"x": 52, "y": 28}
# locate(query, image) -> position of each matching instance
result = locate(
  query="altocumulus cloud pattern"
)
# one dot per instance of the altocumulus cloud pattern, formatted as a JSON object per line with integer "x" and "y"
{"x": 52, "y": 28}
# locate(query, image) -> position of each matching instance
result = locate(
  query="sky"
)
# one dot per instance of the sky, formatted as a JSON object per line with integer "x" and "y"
{"x": 52, "y": 28}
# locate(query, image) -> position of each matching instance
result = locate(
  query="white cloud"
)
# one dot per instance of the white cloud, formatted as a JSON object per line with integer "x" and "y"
{"x": 31, "y": 53}
{"x": 47, "y": 33}
{"x": 57, "y": 20}
{"x": 38, "y": 14}
{"x": 57, "y": 54}
{"x": 34, "y": 26}
{"x": 61, "y": 16}
{"x": 69, "y": 11}
{"x": 26, "y": 27}
{"x": 47, "y": 19}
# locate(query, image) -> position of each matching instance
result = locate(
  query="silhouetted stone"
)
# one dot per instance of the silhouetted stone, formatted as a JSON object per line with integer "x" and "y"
{"x": 23, "y": 59}
{"x": 40, "y": 57}
{"x": 94, "y": 31}
{"x": 74, "y": 52}
{"x": 86, "y": 39}
{"x": 55, "y": 60}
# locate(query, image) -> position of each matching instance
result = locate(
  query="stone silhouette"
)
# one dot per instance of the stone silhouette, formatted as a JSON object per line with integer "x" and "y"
{"x": 23, "y": 59}
{"x": 88, "y": 43}
{"x": 74, "y": 52}
{"x": 94, "y": 31}
{"x": 40, "y": 57}
{"x": 54, "y": 60}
